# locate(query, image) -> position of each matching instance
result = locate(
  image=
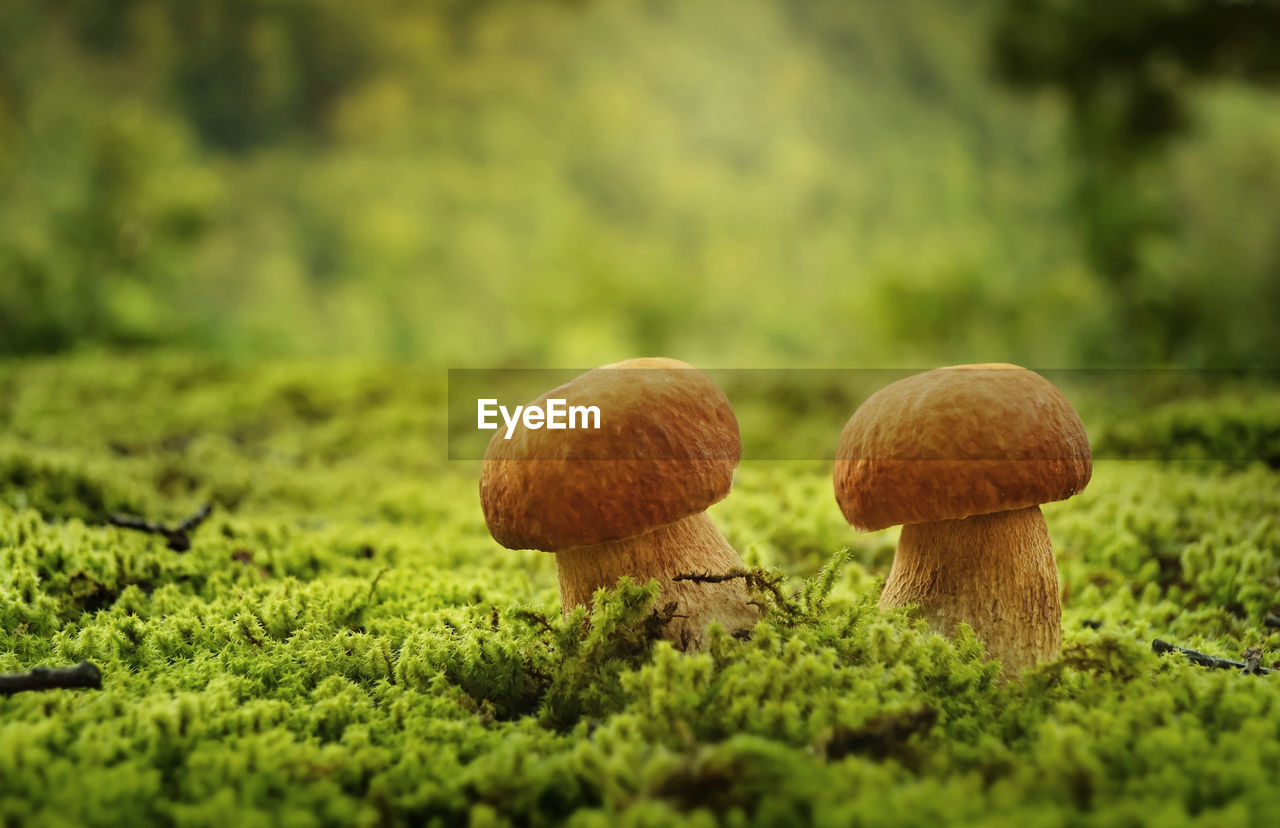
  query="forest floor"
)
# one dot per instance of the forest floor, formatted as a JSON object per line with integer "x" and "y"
{"x": 344, "y": 644}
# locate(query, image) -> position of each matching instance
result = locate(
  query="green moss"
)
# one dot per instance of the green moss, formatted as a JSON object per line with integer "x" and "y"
{"x": 344, "y": 644}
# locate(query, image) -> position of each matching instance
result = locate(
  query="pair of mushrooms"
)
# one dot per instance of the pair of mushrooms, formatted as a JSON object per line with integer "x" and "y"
{"x": 961, "y": 457}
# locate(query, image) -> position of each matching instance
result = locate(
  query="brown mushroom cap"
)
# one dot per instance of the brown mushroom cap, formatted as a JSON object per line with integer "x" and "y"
{"x": 959, "y": 441}
{"x": 666, "y": 448}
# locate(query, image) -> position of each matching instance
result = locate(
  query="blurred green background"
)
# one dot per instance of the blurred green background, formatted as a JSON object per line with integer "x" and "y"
{"x": 734, "y": 182}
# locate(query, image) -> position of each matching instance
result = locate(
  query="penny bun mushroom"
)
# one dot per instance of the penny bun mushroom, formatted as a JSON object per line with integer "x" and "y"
{"x": 629, "y": 498}
{"x": 962, "y": 457}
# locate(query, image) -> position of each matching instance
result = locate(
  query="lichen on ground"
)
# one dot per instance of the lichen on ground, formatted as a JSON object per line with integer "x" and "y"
{"x": 344, "y": 644}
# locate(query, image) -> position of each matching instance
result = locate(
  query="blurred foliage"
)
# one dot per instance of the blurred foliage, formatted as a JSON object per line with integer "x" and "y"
{"x": 1131, "y": 65}
{"x": 552, "y": 182}
{"x": 1128, "y": 73}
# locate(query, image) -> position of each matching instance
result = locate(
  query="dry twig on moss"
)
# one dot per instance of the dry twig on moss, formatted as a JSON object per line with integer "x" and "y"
{"x": 1249, "y": 667}
{"x": 84, "y": 674}
{"x": 757, "y": 579}
{"x": 177, "y": 537}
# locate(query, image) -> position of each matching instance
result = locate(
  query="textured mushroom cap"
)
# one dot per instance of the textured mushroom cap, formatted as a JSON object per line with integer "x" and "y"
{"x": 665, "y": 450}
{"x": 959, "y": 441}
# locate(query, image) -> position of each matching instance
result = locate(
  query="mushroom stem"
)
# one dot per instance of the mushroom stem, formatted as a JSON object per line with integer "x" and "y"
{"x": 994, "y": 572}
{"x": 692, "y": 545}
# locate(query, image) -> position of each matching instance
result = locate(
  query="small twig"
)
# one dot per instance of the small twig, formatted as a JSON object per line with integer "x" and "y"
{"x": 1272, "y": 620}
{"x": 196, "y": 519}
{"x": 178, "y": 536}
{"x": 84, "y": 674}
{"x": 758, "y": 580}
{"x": 368, "y": 599}
{"x": 708, "y": 578}
{"x": 1205, "y": 660}
{"x": 533, "y": 618}
{"x": 656, "y": 621}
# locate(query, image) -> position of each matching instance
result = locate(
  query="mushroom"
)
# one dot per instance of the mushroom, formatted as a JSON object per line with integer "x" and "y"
{"x": 630, "y": 497}
{"x": 962, "y": 457}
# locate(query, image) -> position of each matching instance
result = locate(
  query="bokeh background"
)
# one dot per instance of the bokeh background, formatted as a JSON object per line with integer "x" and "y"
{"x": 739, "y": 183}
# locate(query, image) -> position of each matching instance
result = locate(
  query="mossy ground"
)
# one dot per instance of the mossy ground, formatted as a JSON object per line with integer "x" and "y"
{"x": 344, "y": 643}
